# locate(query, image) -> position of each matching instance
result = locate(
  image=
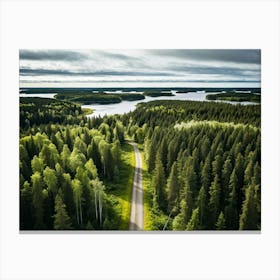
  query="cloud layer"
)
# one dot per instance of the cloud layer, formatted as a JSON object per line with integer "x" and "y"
{"x": 177, "y": 67}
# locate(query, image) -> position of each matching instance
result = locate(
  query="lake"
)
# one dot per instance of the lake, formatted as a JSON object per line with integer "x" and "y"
{"x": 127, "y": 106}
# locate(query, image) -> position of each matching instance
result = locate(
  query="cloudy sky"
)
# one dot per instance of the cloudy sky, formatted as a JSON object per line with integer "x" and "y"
{"x": 140, "y": 68}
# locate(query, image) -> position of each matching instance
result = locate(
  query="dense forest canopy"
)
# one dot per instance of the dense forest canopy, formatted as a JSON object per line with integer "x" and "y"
{"x": 235, "y": 96}
{"x": 203, "y": 165}
{"x": 206, "y": 168}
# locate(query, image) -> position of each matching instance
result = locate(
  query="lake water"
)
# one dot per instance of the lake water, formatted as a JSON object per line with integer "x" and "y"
{"x": 127, "y": 106}
{"x": 42, "y": 95}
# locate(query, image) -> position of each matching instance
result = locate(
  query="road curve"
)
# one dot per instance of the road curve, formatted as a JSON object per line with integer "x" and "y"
{"x": 137, "y": 212}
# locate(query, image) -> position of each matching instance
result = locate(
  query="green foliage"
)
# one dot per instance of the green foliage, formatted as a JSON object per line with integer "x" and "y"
{"x": 249, "y": 216}
{"x": 201, "y": 160}
{"x": 37, "y": 111}
{"x": 193, "y": 224}
{"x": 233, "y": 96}
{"x": 221, "y": 223}
{"x": 216, "y": 156}
{"x": 61, "y": 218}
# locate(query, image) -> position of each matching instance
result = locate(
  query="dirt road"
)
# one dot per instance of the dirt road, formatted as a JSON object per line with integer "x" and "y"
{"x": 137, "y": 213}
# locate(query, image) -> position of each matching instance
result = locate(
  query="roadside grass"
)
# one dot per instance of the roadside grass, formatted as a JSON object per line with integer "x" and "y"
{"x": 147, "y": 192}
{"x": 122, "y": 188}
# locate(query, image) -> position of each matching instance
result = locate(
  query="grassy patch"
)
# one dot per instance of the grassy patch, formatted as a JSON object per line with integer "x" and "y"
{"x": 122, "y": 189}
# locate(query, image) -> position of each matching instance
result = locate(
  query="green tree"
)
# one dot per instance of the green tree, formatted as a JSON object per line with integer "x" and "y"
{"x": 231, "y": 210}
{"x": 256, "y": 180}
{"x": 37, "y": 200}
{"x": 91, "y": 169}
{"x": 77, "y": 192}
{"x": 202, "y": 206}
{"x": 26, "y": 221}
{"x": 50, "y": 180}
{"x": 94, "y": 154}
{"x": 206, "y": 174}
{"x": 67, "y": 192}
{"x": 65, "y": 155}
{"x": 61, "y": 219}
{"x": 193, "y": 223}
{"x": 249, "y": 215}
{"x": 158, "y": 184}
{"x": 76, "y": 159}
{"x": 173, "y": 187}
{"x": 37, "y": 164}
{"x": 97, "y": 196}
{"x": 214, "y": 201}
{"x": 221, "y": 223}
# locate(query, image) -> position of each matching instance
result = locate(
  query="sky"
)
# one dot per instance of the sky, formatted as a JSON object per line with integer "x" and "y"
{"x": 140, "y": 68}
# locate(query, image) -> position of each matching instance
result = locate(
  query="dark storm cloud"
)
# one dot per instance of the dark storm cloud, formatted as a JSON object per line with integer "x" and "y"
{"x": 215, "y": 70}
{"x": 141, "y": 80}
{"x": 43, "y": 72}
{"x": 234, "y": 56}
{"x": 159, "y": 65}
{"x": 53, "y": 55}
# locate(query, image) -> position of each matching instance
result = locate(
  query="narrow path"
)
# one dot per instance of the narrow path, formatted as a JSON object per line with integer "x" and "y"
{"x": 137, "y": 213}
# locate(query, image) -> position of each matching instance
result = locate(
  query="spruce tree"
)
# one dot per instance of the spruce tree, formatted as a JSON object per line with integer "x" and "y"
{"x": 61, "y": 219}
{"x": 193, "y": 224}
{"x": 231, "y": 211}
{"x": 214, "y": 201}
{"x": 206, "y": 174}
{"x": 37, "y": 200}
{"x": 249, "y": 215}
{"x": 158, "y": 184}
{"x": 221, "y": 223}
{"x": 202, "y": 206}
{"x": 173, "y": 187}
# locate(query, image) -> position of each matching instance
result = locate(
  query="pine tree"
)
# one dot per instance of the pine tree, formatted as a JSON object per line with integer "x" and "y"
{"x": 226, "y": 172}
{"x": 206, "y": 174}
{"x": 158, "y": 184}
{"x": 173, "y": 187}
{"x": 214, "y": 201}
{"x": 202, "y": 206}
{"x": 221, "y": 223}
{"x": 256, "y": 180}
{"x": 193, "y": 224}
{"x": 61, "y": 218}
{"x": 249, "y": 215}
{"x": 188, "y": 204}
{"x": 25, "y": 207}
{"x": 231, "y": 211}
{"x": 249, "y": 171}
{"x": 67, "y": 191}
{"x": 93, "y": 153}
{"x": 64, "y": 156}
{"x": 37, "y": 200}
{"x": 37, "y": 164}
{"x": 163, "y": 150}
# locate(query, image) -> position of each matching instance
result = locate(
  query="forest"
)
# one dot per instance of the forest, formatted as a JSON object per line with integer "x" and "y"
{"x": 98, "y": 98}
{"x": 234, "y": 96}
{"x": 76, "y": 172}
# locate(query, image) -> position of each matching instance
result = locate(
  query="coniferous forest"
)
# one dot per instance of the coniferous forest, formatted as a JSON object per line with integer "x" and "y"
{"x": 201, "y": 166}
